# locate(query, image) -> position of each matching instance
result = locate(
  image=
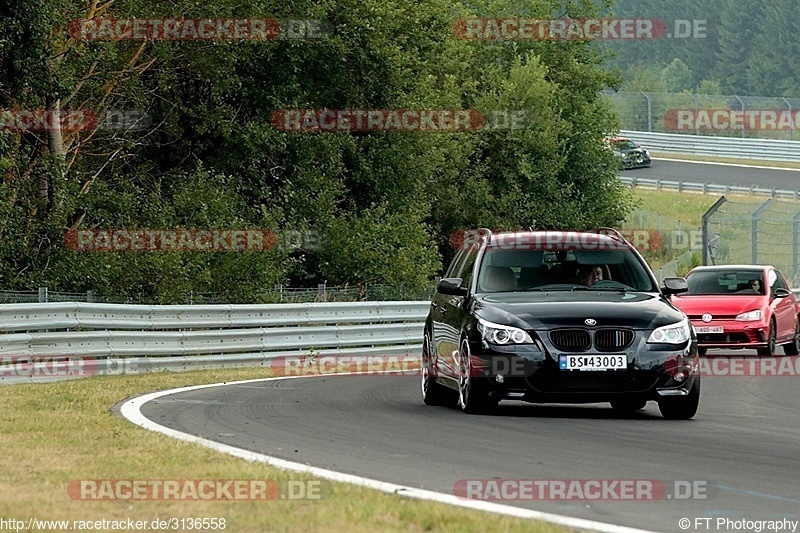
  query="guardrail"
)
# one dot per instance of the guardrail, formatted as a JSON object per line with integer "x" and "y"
{"x": 121, "y": 339}
{"x": 733, "y": 147}
{"x": 706, "y": 188}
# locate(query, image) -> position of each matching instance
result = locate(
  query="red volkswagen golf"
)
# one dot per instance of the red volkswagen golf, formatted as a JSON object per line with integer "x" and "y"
{"x": 741, "y": 306}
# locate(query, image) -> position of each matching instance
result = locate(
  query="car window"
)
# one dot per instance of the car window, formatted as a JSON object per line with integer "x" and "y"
{"x": 504, "y": 270}
{"x": 468, "y": 266}
{"x": 725, "y": 282}
{"x": 778, "y": 282}
{"x": 625, "y": 145}
{"x": 455, "y": 264}
{"x": 772, "y": 278}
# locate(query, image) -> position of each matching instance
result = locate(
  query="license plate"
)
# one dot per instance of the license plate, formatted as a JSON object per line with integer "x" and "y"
{"x": 592, "y": 362}
{"x": 709, "y": 329}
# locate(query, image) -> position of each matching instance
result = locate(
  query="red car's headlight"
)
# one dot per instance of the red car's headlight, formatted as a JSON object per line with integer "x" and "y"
{"x": 750, "y": 316}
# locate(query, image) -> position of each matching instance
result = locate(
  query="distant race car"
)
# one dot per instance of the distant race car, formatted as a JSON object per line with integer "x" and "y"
{"x": 741, "y": 306}
{"x": 630, "y": 154}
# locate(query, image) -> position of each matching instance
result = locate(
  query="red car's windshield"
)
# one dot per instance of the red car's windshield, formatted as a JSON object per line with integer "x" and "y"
{"x": 726, "y": 282}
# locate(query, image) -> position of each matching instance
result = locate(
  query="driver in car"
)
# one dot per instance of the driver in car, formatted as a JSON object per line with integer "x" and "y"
{"x": 590, "y": 274}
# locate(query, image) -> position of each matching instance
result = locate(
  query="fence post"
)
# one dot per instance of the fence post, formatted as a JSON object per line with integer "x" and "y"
{"x": 704, "y": 227}
{"x": 90, "y": 296}
{"x": 42, "y": 295}
{"x": 754, "y": 229}
{"x": 741, "y": 102}
{"x": 649, "y": 112}
{"x": 796, "y": 245}
{"x": 791, "y": 128}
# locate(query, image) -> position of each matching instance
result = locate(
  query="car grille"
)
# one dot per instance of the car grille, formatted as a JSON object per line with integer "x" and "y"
{"x": 576, "y": 340}
{"x": 727, "y": 338}
{"x": 611, "y": 381}
{"x": 571, "y": 339}
{"x": 613, "y": 339}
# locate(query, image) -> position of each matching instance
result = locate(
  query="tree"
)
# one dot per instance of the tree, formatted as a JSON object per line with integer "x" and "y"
{"x": 211, "y": 156}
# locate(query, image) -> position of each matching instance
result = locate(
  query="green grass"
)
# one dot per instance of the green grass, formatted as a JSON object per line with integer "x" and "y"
{"x": 53, "y": 433}
{"x": 672, "y": 210}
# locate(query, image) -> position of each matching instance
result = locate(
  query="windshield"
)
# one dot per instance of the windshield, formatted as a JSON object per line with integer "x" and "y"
{"x": 539, "y": 270}
{"x": 624, "y": 145}
{"x": 726, "y": 282}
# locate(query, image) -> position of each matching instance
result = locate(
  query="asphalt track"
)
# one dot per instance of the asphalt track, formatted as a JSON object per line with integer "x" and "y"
{"x": 740, "y": 450}
{"x": 747, "y": 176}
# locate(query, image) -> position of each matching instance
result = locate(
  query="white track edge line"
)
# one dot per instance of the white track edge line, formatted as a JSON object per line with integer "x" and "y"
{"x": 131, "y": 410}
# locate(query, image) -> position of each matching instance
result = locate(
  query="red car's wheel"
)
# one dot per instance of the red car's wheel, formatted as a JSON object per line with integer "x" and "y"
{"x": 769, "y": 349}
{"x": 793, "y": 348}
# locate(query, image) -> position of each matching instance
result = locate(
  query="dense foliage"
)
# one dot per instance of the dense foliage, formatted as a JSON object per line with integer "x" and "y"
{"x": 381, "y": 205}
{"x": 741, "y": 47}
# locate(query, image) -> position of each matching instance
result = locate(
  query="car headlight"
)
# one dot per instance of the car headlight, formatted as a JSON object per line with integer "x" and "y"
{"x": 500, "y": 334}
{"x": 750, "y": 315}
{"x": 673, "y": 334}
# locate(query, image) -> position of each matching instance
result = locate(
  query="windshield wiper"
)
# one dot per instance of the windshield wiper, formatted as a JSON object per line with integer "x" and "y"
{"x": 559, "y": 287}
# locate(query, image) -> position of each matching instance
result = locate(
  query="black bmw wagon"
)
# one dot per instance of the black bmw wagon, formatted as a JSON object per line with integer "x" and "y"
{"x": 558, "y": 317}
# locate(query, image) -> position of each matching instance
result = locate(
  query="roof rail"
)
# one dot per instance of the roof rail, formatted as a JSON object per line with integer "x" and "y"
{"x": 485, "y": 233}
{"x": 611, "y": 232}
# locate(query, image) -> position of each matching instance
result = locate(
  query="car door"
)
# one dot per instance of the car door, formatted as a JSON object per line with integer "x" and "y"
{"x": 783, "y": 308}
{"x": 449, "y": 313}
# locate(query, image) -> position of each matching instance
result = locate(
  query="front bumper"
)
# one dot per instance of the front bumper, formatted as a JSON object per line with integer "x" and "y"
{"x": 635, "y": 161}
{"x": 531, "y": 373}
{"x": 735, "y": 335}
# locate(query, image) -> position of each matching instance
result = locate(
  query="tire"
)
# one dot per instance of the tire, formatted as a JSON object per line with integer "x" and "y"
{"x": 433, "y": 393}
{"x": 770, "y": 348}
{"x": 701, "y": 351}
{"x": 473, "y": 397}
{"x": 628, "y": 405}
{"x": 793, "y": 348}
{"x": 681, "y": 407}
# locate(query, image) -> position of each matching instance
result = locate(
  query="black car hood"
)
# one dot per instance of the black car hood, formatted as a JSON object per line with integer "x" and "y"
{"x": 546, "y": 310}
{"x": 632, "y": 151}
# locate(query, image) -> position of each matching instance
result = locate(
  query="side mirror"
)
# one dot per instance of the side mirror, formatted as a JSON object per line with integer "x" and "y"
{"x": 781, "y": 293}
{"x": 674, "y": 286}
{"x": 451, "y": 286}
